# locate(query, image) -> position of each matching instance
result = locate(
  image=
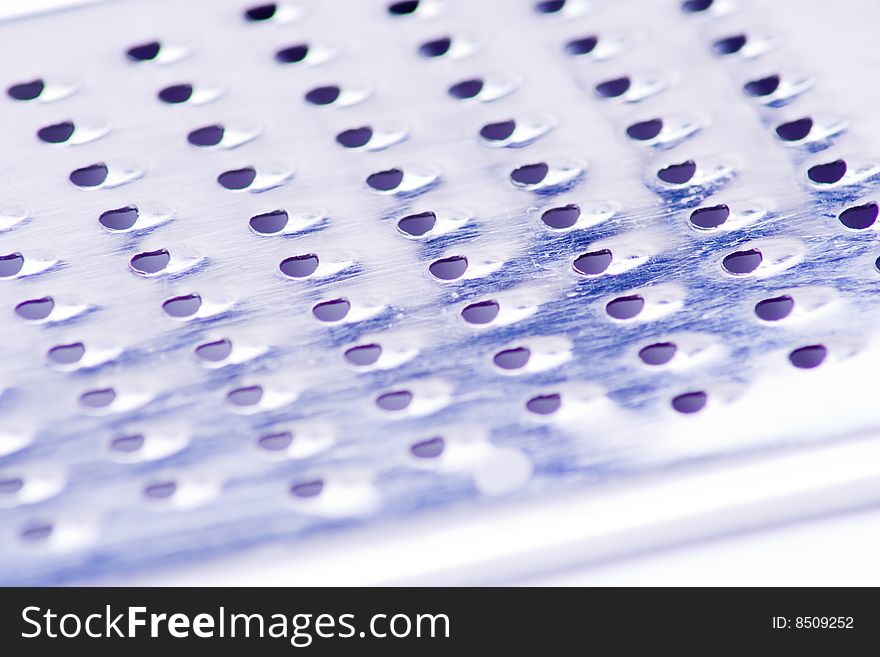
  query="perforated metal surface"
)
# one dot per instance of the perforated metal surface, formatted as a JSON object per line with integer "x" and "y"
{"x": 272, "y": 278}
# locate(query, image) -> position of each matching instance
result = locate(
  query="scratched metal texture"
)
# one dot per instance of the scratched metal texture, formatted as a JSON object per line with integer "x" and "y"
{"x": 125, "y": 450}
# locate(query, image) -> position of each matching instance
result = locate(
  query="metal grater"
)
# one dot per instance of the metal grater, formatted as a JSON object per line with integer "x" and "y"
{"x": 277, "y": 275}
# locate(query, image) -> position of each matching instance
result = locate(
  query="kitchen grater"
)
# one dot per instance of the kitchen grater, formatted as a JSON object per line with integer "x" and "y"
{"x": 331, "y": 276}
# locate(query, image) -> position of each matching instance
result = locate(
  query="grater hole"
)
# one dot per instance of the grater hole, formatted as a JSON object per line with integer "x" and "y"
{"x": 334, "y": 310}
{"x": 292, "y": 54}
{"x": 498, "y": 131}
{"x": 416, "y": 225}
{"x": 323, "y": 95}
{"x": 592, "y": 263}
{"x": 828, "y": 173}
{"x": 275, "y": 442}
{"x": 162, "y": 490}
{"x": 363, "y": 355}
{"x": 859, "y": 217}
{"x": 740, "y": 263}
{"x": 57, "y": 133}
{"x": 806, "y": 358}
{"x": 448, "y": 269}
{"x": 214, "y": 352}
{"x": 710, "y": 217}
{"x": 210, "y": 135}
{"x": 696, "y": 6}
{"x": 512, "y": 359}
{"x": 150, "y": 262}
{"x": 562, "y": 217}
{"x": 355, "y": 137}
{"x": 35, "y": 310}
{"x": 482, "y": 312}
{"x": 544, "y": 404}
{"x": 245, "y": 396}
{"x": 26, "y": 90}
{"x": 396, "y": 400}
{"x": 307, "y": 489}
{"x": 186, "y": 305}
{"x": 774, "y": 309}
{"x": 435, "y": 47}
{"x": 119, "y": 218}
{"x": 794, "y": 130}
{"x": 625, "y": 307}
{"x": 690, "y": 402}
{"x": 428, "y": 449}
{"x": 299, "y": 266}
{"x": 269, "y": 223}
{"x": 385, "y": 181}
{"x": 11, "y": 264}
{"x": 259, "y": 13}
{"x": 128, "y": 444}
{"x": 11, "y": 485}
{"x": 658, "y": 353}
{"x": 403, "y": 8}
{"x": 549, "y": 6}
{"x": 678, "y": 174}
{"x": 466, "y": 89}
{"x": 176, "y": 94}
{"x": 144, "y": 52}
{"x": 613, "y": 88}
{"x": 36, "y": 532}
{"x": 237, "y": 179}
{"x": 93, "y": 175}
{"x": 762, "y": 86}
{"x": 530, "y": 174}
{"x": 729, "y": 45}
{"x": 98, "y": 398}
{"x": 66, "y": 354}
{"x": 582, "y": 46}
{"x": 645, "y": 130}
